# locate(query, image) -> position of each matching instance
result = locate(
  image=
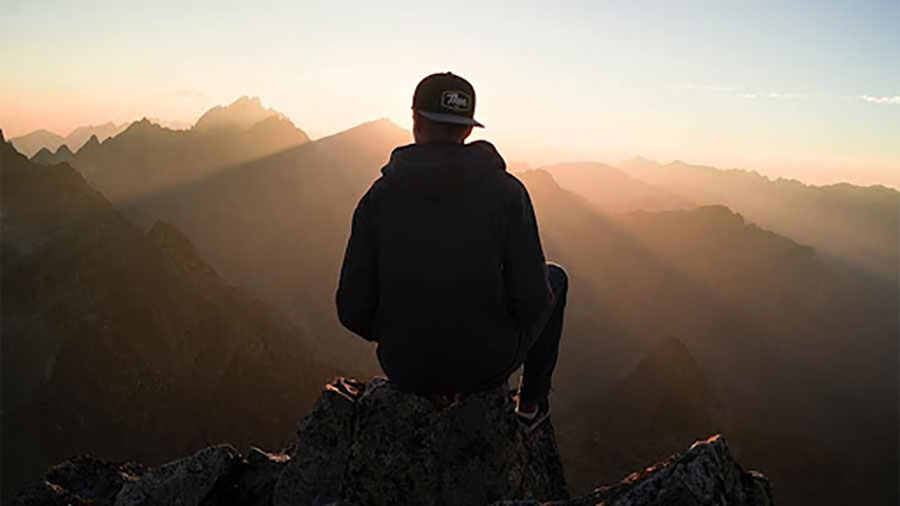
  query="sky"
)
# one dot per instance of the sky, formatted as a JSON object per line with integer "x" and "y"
{"x": 803, "y": 89}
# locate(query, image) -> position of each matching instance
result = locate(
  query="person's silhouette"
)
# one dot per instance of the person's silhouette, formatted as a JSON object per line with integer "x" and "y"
{"x": 444, "y": 267}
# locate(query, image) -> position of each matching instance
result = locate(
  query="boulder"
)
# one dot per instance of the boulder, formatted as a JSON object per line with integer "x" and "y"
{"x": 45, "y": 493}
{"x": 253, "y": 481}
{"x": 704, "y": 475}
{"x": 185, "y": 482}
{"x": 82, "y": 480}
{"x": 373, "y": 444}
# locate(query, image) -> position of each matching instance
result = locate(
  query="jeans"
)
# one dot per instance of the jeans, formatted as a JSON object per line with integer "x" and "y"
{"x": 540, "y": 358}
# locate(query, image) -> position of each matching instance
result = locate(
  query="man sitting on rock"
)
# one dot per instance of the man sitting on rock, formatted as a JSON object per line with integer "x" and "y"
{"x": 444, "y": 267}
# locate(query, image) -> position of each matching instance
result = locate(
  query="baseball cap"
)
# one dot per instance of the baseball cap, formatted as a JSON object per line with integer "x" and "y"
{"x": 446, "y": 98}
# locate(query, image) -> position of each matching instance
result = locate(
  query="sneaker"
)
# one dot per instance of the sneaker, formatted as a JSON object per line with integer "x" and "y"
{"x": 533, "y": 419}
{"x": 347, "y": 388}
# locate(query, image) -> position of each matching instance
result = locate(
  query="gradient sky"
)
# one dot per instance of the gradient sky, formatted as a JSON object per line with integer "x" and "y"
{"x": 807, "y": 89}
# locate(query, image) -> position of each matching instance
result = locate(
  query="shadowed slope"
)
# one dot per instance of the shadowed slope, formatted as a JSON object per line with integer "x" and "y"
{"x": 147, "y": 158}
{"x": 278, "y": 225}
{"x": 125, "y": 344}
{"x": 655, "y": 410}
{"x": 797, "y": 349}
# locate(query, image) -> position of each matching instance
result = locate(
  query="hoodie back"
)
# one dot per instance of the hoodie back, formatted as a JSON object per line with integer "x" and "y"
{"x": 444, "y": 268}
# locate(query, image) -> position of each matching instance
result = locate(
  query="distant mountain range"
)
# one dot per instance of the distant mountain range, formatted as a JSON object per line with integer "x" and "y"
{"x": 614, "y": 191}
{"x": 661, "y": 403}
{"x": 854, "y": 223}
{"x": 62, "y": 155}
{"x": 30, "y": 144}
{"x": 147, "y": 158}
{"x": 278, "y": 225}
{"x": 786, "y": 339}
{"x": 783, "y": 334}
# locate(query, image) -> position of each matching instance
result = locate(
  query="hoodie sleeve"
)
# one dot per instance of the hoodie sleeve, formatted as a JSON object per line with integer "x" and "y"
{"x": 357, "y": 294}
{"x": 524, "y": 267}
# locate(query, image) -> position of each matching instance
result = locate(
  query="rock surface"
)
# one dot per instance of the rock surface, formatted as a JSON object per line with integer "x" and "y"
{"x": 377, "y": 445}
{"x": 82, "y": 480}
{"x": 704, "y": 475}
{"x": 372, "y": 444}
{"x": 185, "y": 482}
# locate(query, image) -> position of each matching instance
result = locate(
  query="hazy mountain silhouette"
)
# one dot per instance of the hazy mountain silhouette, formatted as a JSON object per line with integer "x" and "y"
{"x": 45, "y": 157}
{"x": 89, "y": 149}
{"x": 768, "y": 319}
{"x": 647, "y": 415}
{"x": 278, "y": 225}
{"x": 797, "y": 351}
{"x": 859, "y": 224}
{"x": 242, "y": 114}
{"x": 29, "y": 144}
{"x": 786, "y": 339}
{"x": 612, "y": 190}
{"x": 125, "y": 344}
{"x": 80, "y": 135}
{"x": 147, "y": 158}
{"x": 170, "y": 124}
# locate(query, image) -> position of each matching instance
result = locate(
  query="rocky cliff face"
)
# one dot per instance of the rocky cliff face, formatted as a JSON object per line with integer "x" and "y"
{"x": 372, "y": 444}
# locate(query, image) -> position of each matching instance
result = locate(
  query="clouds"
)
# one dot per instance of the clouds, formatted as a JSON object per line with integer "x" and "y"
{"x": 893, "y": 100}
{"x": 735, "y": 92}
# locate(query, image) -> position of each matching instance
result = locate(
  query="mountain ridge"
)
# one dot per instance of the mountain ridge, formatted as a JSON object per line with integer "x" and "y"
{"x": 32, "y": 142}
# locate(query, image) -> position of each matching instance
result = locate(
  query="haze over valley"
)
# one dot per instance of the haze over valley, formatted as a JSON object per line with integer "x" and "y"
{"x": 193, "y": 271}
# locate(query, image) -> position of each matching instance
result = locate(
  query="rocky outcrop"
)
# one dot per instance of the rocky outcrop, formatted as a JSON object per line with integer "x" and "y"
{"x": 372, "y": 444}
{"x": 377, "y": 445}
{"x": 705, "y": 474}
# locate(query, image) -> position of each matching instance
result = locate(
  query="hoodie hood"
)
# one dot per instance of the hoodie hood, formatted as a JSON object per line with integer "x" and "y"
{"x": 440, "y": 169}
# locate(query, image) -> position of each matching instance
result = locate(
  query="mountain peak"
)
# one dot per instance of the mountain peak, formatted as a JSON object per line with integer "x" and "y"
{"x": 638, "y": 163}
{"x": 667, "y": 379}
{"x": 89, "y": 147}
{"x": 141, "y": 126}
{"x": 247, "y": 101}
{"x": 44, "y": 131}
{"x": 642, "y": 160}
{"x": 43, "y": 157}
{"x": 30, "y": 143}
{"x": 669, "y": 349}
{"x": 241, "y": 114}
{"x": 372, "y": 134}
{"x": 64, "y": 151}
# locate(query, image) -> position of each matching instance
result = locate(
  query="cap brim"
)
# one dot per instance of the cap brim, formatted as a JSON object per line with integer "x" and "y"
{"x": 450, "y": 118}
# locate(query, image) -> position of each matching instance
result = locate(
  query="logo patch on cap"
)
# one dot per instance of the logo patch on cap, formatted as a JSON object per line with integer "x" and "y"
{"x": 456, "y": 100}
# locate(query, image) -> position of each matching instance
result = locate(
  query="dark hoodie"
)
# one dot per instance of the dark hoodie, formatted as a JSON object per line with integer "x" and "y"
{"x": 444, "y": 268}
